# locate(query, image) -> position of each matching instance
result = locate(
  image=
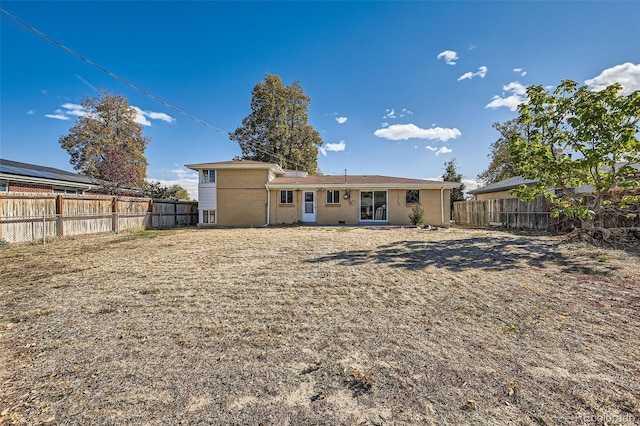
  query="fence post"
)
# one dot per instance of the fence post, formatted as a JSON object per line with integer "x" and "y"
{"x": 114, "y": 215}
{"x": 60, "y": 220}
{"x": 0, "y": 217}
{"x": 175, "y": 213}
{"x": 44, "y": 227}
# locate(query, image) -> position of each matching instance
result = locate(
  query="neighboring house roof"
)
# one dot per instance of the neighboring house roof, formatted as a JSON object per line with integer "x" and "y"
{"x": 24, "y": 172}
{"x": 360, "y": 181}
{"x": 503, "y": 185}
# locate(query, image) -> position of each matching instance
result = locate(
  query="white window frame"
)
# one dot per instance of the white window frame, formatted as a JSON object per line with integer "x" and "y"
{"x": 333, "y": 196}
{"x": 286, "y": 193}
{"x": 208, "y": 176}
{"x": 64, "y": 190}
{"x": 208, "y": 215}
{"x": 4, "y": 185}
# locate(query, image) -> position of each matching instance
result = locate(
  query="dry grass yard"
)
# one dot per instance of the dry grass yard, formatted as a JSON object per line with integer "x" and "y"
{"x": 335, "y": 326}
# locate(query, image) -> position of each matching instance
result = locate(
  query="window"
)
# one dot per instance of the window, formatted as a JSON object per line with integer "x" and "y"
{"x": 286, "y": 197}
{"x": 208, "y": 176}
{"x": 64, "y": 191}
{"x": 333, "y": 196}
{"x": 413, "y": 196}
{"x": 208, "y": 216}
{"x": 4, "y": 186}
{"x": 373, "y": 205}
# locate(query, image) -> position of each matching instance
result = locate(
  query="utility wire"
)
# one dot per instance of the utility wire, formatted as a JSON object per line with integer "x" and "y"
{"x": 14, "y": 20}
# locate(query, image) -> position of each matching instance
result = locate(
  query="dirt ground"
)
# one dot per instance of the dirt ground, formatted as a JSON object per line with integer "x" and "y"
{"x": 306, "y": 325}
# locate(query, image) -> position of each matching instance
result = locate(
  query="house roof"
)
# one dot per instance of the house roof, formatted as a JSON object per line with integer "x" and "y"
{"x": 16, "y": 169}
{"x": 503, "y": 185}
{"x": 360, "y": 181}
{"x": 236, "y": 164}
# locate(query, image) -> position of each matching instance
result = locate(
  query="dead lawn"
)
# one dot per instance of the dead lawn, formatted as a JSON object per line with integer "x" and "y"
{"x": 319, "y": 326}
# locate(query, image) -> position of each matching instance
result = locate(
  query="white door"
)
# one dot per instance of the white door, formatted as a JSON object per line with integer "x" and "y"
{"x": 308, "y": 206}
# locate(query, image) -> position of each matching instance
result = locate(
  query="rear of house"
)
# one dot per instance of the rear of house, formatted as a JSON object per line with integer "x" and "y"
{"x": 253, "y": 193}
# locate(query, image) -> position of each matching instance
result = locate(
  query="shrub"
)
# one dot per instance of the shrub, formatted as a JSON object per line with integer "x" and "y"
{"x": 417, "y": 216}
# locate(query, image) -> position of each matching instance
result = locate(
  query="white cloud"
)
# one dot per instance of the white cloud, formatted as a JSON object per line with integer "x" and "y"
{"x": 627, "y": 74}
{"x": 142, "y": 117}
{"x": 398, "y": 132}
{"x": 450, "y": 56}
{"x": 482, "y": 72}
{"x": 470, "y": 184}
{"x": 59, "y": 115}
{"x": 391, "y": 113}
{"x": 341, "y": 120}
{"x": 385, "y": 124}
{"x": 159, "y": 116}
{"x": 335, "y": 147}
{"x": 74, "y": 109}
{"x": 406, "y": 111}
{"x": 441, "y": 150}
{"x": 520, "y": 71}
{"x": 518, "y": 95}
{"x": 30, "y": 112}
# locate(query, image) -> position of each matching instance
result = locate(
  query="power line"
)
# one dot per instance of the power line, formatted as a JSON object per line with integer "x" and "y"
{"x": 14, "y": 20}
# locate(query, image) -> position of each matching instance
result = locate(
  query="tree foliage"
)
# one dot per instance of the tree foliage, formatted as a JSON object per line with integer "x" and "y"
{"x": 158, "y": 191}
{"x": 277, "y": 130}
{"x": 451, "y": 175}
{"x": 578, "y": 137}
{"x": 107, "y": 144}
{"x": 502, "y": 165}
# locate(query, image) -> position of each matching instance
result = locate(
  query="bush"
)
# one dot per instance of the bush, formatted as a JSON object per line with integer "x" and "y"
{"x": 417, "y": 216}
{"x": 3, "y": 243}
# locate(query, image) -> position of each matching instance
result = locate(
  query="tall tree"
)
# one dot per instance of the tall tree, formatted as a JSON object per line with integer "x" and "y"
{"x": 502, "y": 166}
{"x": 579, "y": 137}
{"x": 107, "y": 144}
{"x": 451, "y": 175}
{"x": 277, "y": 130}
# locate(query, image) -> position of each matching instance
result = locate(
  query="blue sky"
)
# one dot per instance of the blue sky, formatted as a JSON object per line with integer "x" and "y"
{"x": 397, "y": 88}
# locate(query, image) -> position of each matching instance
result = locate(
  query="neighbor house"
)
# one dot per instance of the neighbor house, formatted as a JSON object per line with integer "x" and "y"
{"x": 24, "y": 177}
{"x": 254, "y": 193}
{"x": 502, "y": 189}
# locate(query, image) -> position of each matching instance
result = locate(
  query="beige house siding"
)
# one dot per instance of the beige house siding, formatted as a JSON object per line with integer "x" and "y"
{"x": 333, "y": 214}
{"x": 494, "y": 195}
{"x": 242, "y": 197}
{"x": 285, "y": 213}
{"x": 430, "y": 201}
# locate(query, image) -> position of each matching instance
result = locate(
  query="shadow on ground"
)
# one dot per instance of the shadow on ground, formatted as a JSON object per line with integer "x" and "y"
{"x": 491, "y": 254}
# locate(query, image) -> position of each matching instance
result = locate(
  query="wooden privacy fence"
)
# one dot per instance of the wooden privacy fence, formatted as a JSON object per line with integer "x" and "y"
{"x": 507, "y": 212}
{"x": 29, "y": 217}
{"x": 536, "y": 215}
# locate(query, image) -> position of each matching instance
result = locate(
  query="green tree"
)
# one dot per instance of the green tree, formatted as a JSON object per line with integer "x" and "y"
{"x": 451, "y": 175}
{"x": 277, "y": 130}
{"x": 158, "y": 191}
{"x": 107, "y": 144}
{"x": 502, "y": 166}
{"x": 578, "y": 137}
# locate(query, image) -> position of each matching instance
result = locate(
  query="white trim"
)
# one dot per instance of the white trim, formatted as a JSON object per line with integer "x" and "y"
{"x": 364, "y": 187}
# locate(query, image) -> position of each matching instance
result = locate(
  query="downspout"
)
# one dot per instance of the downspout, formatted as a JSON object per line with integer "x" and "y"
{"x": 268, "y": 206}
{"x": 442, "y": 205}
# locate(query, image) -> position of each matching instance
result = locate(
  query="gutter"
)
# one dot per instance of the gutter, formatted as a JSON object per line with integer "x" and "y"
{"x": 442, "y": 204}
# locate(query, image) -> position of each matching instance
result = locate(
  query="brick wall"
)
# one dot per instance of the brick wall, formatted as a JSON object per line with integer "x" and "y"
{"x": 27, "y": 187}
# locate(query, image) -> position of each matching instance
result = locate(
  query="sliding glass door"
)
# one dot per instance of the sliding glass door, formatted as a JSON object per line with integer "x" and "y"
{"x": 373, "y": 205}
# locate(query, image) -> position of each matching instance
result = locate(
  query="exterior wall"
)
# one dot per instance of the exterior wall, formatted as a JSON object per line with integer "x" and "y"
{"x": 430, "y": 200}
{"x": 241, "y": 197}
{"x": 348, "y": 209}
{"x": 285, "y": 213}
{"x": 494, "y": 195}
{"x": 334, "y": 214}
{"x": 27, "y": 187}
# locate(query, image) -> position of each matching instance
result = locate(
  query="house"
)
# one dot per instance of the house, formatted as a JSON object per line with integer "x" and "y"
{"x": 502, "y": 189}
{"x": 254, "y": 193}
{"x": 24, "y": 177}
